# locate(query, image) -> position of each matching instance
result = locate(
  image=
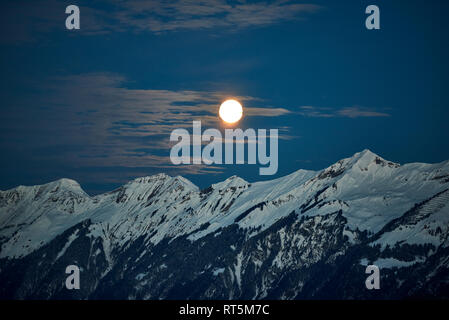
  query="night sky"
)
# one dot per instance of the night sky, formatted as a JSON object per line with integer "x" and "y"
{"x": 98, "y": 104}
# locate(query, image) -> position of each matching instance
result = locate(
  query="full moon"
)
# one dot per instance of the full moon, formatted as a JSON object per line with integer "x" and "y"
{"x": 231, "y": 111}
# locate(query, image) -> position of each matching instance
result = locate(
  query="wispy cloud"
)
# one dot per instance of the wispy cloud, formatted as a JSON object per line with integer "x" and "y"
{"x": 358, "y": 112}
{"x": 347, "y": 112}
{"x": 316, "y": 112}
{"x": 162, "y": 16}
{"x": 94, "y": 120}
{"x": 30, "y": 20}
{"x": 266, "y": 112}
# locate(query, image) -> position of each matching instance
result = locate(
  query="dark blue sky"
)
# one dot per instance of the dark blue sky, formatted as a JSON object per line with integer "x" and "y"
{"x": 98, "y": 104}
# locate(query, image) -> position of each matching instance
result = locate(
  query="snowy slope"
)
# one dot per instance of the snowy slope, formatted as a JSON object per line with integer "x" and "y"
{"x": 427, "y": 223}
{"x": 368, "y": 190}
{"x": 32, "y": 216}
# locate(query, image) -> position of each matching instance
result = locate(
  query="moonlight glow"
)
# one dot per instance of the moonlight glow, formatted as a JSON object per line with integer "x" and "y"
{"x": 231, "y": 111}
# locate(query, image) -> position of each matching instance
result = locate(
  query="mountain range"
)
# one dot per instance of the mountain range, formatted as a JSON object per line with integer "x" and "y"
{"x": 308, "y": 235}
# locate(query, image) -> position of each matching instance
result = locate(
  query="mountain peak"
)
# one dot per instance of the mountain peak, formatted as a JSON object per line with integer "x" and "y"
{"x": 366, "y": 158}
{"x": 150, "y": 179}
{"x": 62, "y": 185}
{"x": 162, "y": 178}
{"x": 144, "y": 188}
{"x": 66, "y": 183}
{"x": 186, "y": 182}
{"x": 361, "y": 161}
{"x": 233, "y": 181}
{"x": 367, "y": 152}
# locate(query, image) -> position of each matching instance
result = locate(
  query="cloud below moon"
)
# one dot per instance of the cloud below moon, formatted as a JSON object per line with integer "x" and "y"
{"x": 94, "y": 120}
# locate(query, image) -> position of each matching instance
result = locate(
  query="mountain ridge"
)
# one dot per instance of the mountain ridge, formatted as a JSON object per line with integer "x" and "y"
{"x": 247, "y": 199}
{"x": 260, "y": 230}
{"x": 358, "y": 156}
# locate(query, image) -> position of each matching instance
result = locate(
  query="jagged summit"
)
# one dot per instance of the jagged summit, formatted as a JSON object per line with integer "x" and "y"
{"x": 161, "y": 179}
{"x": 367, "y": 158}
{"x": 56, "y": 189}
{"x": 233, "y": 181}
{"x": 361, "y": 162}
{"x": 362, "y": 158}
{"x": 64, "y": 183}
{"x": 157, "y": 178}
{"x": 163, "y": 225}
{"x": 156, "y": 235}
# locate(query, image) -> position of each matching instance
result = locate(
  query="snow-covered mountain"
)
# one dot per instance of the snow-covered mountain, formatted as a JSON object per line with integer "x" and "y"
{"x": 307, "y": 235}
